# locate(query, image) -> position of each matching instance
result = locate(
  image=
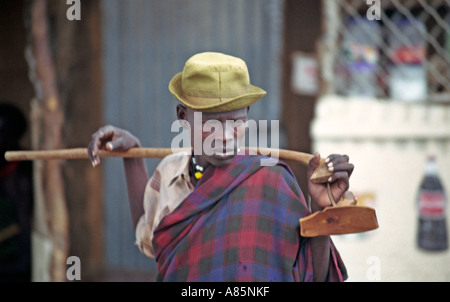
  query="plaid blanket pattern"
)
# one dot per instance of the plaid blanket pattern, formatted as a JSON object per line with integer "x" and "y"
{"x": 241, "y": 223}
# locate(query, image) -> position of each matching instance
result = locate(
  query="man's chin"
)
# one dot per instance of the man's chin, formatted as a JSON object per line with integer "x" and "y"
{"x": 219, "y": 160}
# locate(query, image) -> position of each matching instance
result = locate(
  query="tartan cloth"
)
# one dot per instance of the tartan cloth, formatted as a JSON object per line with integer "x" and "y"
{"x": 241, "y": 223}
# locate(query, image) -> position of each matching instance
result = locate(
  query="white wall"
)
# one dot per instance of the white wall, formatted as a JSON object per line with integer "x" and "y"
{"x": 388, "y": 141}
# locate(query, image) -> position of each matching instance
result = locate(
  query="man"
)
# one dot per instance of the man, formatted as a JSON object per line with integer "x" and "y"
{"x": 217, "y": 214}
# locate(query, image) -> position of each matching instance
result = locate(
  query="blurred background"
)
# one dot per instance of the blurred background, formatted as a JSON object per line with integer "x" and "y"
{"x": 371, "y": 80}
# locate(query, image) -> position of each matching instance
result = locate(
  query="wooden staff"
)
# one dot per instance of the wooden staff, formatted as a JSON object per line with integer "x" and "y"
{"x": 320, "y": 175}
{"x": 82, "y": 153}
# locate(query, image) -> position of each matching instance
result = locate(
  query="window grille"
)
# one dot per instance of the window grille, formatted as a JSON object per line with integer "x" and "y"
{"x": 397, "y": 50}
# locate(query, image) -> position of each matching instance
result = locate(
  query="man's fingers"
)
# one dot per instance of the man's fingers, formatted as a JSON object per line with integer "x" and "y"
{"x": 337, "y": 162}
{"x": 98, "y": 142}
{"x": 341, "y": 176}
{"x": 117, "y": 144}
{"x": 340, "y": 184}
{"x": 346, "y": 167}
{"x": 338, "y": 157}
{"x": 93, "y": 154}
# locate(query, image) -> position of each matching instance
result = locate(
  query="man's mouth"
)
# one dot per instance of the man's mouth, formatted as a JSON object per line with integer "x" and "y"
{"x": 224, "y": 154}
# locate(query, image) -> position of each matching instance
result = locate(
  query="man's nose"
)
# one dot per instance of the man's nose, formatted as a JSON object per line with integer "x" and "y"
{"x": 226, "y": 136}
{"x": 228, "y": 132}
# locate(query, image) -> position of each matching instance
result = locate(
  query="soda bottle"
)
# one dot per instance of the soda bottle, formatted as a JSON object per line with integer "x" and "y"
{"x": 431, "y": 201}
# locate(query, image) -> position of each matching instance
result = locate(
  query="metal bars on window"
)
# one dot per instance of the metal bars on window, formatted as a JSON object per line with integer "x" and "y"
{"x": 393, "y": 49}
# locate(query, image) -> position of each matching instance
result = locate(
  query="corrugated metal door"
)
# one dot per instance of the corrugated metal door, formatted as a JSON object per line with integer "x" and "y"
{"x": 145, "y": 43}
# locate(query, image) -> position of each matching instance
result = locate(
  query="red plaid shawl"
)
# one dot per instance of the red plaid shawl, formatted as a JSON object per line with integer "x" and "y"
{"x": 241, "y": 223}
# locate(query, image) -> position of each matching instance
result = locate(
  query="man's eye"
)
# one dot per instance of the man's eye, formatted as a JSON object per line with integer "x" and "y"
{"x": 239, "y": 123}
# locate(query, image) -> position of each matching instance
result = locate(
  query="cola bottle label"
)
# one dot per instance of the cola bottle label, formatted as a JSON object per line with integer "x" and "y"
{"x": 431, "y": 204}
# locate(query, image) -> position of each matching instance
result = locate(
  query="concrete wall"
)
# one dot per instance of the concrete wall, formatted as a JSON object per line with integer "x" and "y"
{"x": 388, "y": 141}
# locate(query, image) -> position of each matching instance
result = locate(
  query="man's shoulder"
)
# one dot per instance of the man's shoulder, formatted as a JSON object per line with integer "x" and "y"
{"x": 273, "y": 165}
{"x": 281, "y": 170}
{"x": 278, "y": 183}
{"x": 172, "y": 166}
{"x": 263, "y": 166}
{"x": 174, "y": 159}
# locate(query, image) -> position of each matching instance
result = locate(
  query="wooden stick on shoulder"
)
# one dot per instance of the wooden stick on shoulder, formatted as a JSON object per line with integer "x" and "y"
{"x": 81, "y": 153}
{"x": 321, "y": 174}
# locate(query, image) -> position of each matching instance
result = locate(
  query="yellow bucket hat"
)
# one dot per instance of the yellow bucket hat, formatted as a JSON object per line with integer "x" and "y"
{"x": 215, "y": 82}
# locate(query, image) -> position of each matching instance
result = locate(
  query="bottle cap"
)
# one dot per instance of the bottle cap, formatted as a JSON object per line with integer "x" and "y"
{"x": 431, "y": 166}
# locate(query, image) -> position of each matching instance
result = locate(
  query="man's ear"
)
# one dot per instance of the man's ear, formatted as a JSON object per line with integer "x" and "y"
{"x": 181, "y": 112}
{"x": 183, "y": 116}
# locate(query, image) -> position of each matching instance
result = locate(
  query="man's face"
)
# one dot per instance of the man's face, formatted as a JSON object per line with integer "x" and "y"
{"x": 219, "y": 133}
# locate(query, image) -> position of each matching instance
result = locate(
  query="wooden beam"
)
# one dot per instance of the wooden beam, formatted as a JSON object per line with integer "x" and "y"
{"x": 50, "y": 229}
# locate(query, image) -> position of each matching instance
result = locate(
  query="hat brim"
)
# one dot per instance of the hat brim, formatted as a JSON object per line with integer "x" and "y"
{"x": 214, "y": 104}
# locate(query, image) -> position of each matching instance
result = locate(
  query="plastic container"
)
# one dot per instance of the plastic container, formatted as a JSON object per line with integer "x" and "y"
{"x": 361, "y": 41}
{"x": 408, "y": 82}
{"x": 407, "y": 54}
